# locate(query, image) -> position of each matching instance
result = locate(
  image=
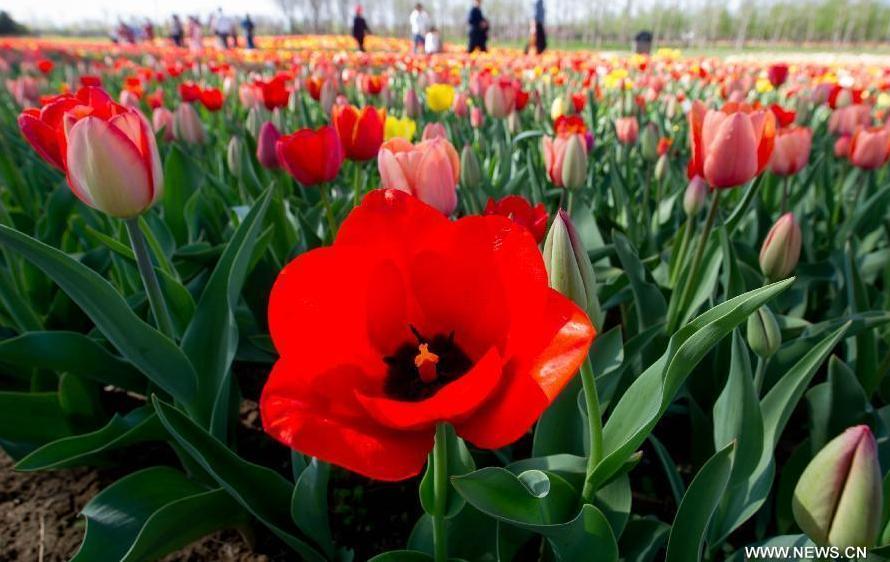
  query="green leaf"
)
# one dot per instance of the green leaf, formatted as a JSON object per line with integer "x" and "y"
{"x": 587, "y": 533}
{"x": 642, "y": 539}
{"x": 650, "y": 304}
{"x": 31, "y": 419}
{"x": 678, "y": 488}
{"x": 309, "y": 504}
{"x": 698, "y": 505}
{"x": 134, "y": 519}
{"x": 260, "y": 490}
{"x": 650, "y": 394}
{"x": 561, "y": 428}
{"x": 150, "y": 351}
{"x": 865, "y": 351}
{"x": 139, "y": 425}
{"x": 460, "y": 462}
{"x": 402, "y": 556}
{"x": 614, "y": 501}
{"x": 70, "y": 352}
{"x": 212, "y": 337}
{"x": 181, "y": 180}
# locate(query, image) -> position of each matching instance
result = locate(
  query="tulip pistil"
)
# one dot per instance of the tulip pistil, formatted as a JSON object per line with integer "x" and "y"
{"x": 426, "y": 362}
{"x": 419, "y": 369}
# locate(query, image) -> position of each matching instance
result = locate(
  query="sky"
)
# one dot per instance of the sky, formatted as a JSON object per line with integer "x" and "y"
{"x": 64, "y": 12}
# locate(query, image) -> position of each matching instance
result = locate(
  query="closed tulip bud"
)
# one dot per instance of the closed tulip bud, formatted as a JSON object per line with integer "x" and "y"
{"x": 764, "y": 336}
{"x": 513, "y": 123}
{"x": 574, "y": 164}
{"x": 411, "y": 103}
{"x": 459, "y": 106}
{"x": 234, "y": 153}
{"x": 476, "y": 117}
{"x": 266, "y": 152}
{"x": 569, "y": 268}
{"x": 434, "y": 130}
{"x": 470, "y": 170}
{"x": 253, "y": 122}
{"x": 781, "y": 248}
{"x": 661, "y": 167}
{"x": 500, "y": 99}
{"x": 557, "y": 108}
{"x": 649, "y": 142}
{"x": 162, "y": 121}
{"x": 838, "y": 498}
{"x": 694, "y": 198}
{"x": 187, "y": 126}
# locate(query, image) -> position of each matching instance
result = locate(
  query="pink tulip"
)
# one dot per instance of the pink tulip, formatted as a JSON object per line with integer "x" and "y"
{"x": 187, "y": 126}
{"x": 500, "y": 99}
{"x": 428, "y": 170}
{"x": 554, "y": 150}
{"x": 627, "y": 129}
{"x": 845, "y": 120}
{"x": 870, "y": 148}
{"x": 266, "y": 152}
{"x": 476, "y": 117}
{"x": 162, "y": 120}
{"x": 842, "y": 146}
{"x": 459, "y": 106}
{"x": 791, "y": 151}
{"x": 113, "y": 165}
{"x": 434, "y": 130}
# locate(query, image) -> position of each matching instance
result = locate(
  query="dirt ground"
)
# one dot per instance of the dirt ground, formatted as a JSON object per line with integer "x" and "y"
{"x": 39, "y": 519}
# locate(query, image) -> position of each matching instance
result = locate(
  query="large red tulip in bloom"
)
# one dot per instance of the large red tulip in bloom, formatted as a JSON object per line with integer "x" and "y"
{"x": 410, "y": 320}
{"x": 732, "y": 145}
{"x": 107, "y": 151}
{"x": 519, "y": 210}
{"x": 311, "y": 157}
{"x": 361, "y": 131}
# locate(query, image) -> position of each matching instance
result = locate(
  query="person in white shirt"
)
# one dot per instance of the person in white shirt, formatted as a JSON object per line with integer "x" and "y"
{"x": 222, "y": 26}
{"x": 420, "y": 23}
{"x": 433, "y": 42}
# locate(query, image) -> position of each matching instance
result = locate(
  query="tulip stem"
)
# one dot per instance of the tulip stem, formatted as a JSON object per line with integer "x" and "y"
{"x": 440, "y": 493}
{"x": 328, "y": 210}
{"x": 594, "y": 426}
{"x": 692, "y": 279}
{"x": 759, "y": 375}
{"x": 149, "y": 278}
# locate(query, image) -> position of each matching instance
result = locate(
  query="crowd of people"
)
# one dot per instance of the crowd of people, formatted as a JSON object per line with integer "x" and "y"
{"x": 190, "y": 33}
{"x": 425, "y": 36}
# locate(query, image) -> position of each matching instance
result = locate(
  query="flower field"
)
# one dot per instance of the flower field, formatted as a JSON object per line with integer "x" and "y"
{"x": 490, "y": 307}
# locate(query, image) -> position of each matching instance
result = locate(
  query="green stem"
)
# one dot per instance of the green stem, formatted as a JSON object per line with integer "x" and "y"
{"x": 440, "y": 493}
{"x": 328, "y": 210}
{"x": 356, "y": 184}
{"x": 594, "y": 426}
{"x": 149, "y": 278}
{"x": 692, "y": 278}
{"x": 759, "y": 374}
{"x": 681, "y": 251}
{"x": 785, "y": 184}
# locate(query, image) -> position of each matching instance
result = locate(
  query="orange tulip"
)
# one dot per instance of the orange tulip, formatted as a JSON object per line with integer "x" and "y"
{"x": 428, "y": 170}
{"x": 732, "y": 145}
{"x": 361, "y": 132}
{"x": 792, "y": 150}
{"x": 870, "y": 148}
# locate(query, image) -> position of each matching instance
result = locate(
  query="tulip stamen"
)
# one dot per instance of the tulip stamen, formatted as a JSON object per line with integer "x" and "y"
{"x": 426, "y": 362}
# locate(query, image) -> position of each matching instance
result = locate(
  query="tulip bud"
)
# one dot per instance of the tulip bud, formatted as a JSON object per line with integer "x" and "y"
{"x": 557, "y": 108}
{"x": 265, "y": 146}
{"x": 411, "y": 103}
{"x": 253, "y": 122}
{"x": 434, "y": 130}
{"x": 694, "y": 198}
{"x": 162, "y": 120}
{"x": 764, "y": 337}
{"x": 568, "y": 266}
{"x": 649, "y": 141}
{"x": 781, "y": 248}
{"x": 574, "y": 164}
{"x": 839, "y": 497}
{"x": 513, "y": 123}
{"x": 470, "y": 170}
{"x": 661, "y": 167}
{"x": 476, "y": 117}
{"x": 187, "y": 126}
{"x": 233, "y": 155}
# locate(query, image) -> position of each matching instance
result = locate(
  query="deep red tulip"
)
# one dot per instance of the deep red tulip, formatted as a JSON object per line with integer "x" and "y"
{"x": 372, "y": 84}
{"x": 273, "y": 93}
{"x": 189, "y": 92}
{"x": 732, "y": 145}
{"x": 212, "y": 99}
{"x": 784, "y": 117}
{"x": 410, "y": 320}
{"x": 45, "y": 66}
{"x": 361, "y": 132}
{"x": 777, "y": 74}
{"x": 90, "y": 80}
{"x": 311, "y": 157}
{"x": 520, "y": 211}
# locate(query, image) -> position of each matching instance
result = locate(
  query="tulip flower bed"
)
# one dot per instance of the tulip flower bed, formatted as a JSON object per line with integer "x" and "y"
{"x": 370, "y": 306}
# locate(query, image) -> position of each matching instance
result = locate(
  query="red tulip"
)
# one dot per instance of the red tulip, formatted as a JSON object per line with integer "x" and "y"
{"x": 212, "y": 99}
{"x": 107, "y": 151}
{"x": 266, "y": 146}
{"x": 792, "y": 150}
{"x": 777, "y": 74}
{"x": 45, "y": 66}
{"x": 189, "y": 92}
{"x": 410, "y": 320}
{"x": 428, "y": 170}
{"x": 732, "y": 145}
{"x": 519, "y": 210}
{"x": 90, "y": 80}
{"x": 870, "y": 148}
{"x": 273, "y": 93}
{"x": 311, "y": 157}
{"x": 372, "y": 84}
{"x": 784, "y": 117}
{"x": 842, "y": 146}
{"x": 361, "y": 132}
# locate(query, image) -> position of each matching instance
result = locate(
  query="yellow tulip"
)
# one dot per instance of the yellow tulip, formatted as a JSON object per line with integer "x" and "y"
{"x": 396, "y": 127}
{"x": 439, "y": 97}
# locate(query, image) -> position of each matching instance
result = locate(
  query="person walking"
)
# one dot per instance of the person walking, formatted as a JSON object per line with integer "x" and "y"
{"x": 247, "y": 26}
{"x": 540, "y": 34}
{"x": 360, "y": 28}
{"x": 222, "y": 27}
{"x": 195, "y": 34}
{"x": 478, "y": 26}
{"x": 177, "y": 34}
{"x": 420, "y": 24}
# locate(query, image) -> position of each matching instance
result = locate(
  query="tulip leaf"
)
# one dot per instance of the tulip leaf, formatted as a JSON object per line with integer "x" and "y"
{"x": 640, "y": 407}
{"x": 309, "y": 504}
{"x": 650, "y": 304}
{"x": 211, "y": 339}
{"x": 402, "y": 556}
{"x": 864, "y": 345}
{"x": 181, "y": 180}
{"x": 150, "y": 351}
{"x": 31, "y": 419}
{"x": 150, "y": 513}
{"x": 70, "y": 352}
{"x": 139, "y": 425}
{"x": 678, "y": 488}
{"x": 561, "y": 428}
{"x": 614, "y": 501}
{"x": 698, "y": 506}
{"x": 643, "y": 539}
{"x": 260, "y": 490}
{"x": 471, "y": 535}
